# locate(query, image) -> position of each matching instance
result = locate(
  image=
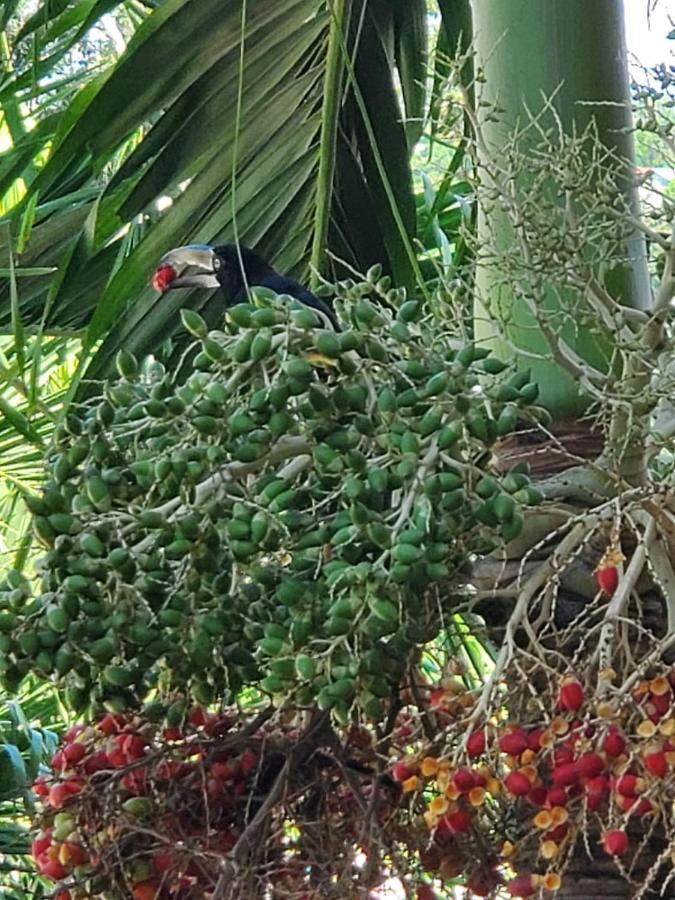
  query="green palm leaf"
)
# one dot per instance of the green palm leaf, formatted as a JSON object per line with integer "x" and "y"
{"x": 177, "y": 115}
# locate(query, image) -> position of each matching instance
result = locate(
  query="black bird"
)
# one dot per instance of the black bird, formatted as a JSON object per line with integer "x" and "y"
{"x": 233, "y": 271}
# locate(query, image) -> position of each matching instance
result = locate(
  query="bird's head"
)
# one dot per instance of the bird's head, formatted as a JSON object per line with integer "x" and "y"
{"x": 203, "y": 266}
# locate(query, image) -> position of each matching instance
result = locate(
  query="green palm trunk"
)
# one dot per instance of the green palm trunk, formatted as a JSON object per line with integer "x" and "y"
{"x": 531, "y": 50}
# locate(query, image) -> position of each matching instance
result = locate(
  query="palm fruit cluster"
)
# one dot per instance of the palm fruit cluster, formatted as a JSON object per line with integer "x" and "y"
{"x": 292, "y": 513}
{"x": 135, "y": 809}
{"x": 508, "y": 799}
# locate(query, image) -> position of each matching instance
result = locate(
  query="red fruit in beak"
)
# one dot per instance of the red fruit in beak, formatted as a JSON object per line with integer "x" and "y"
{"x": 163, "y": 278}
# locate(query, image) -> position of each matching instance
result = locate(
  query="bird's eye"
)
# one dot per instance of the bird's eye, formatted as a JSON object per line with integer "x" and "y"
{"x": 217, "y": 262}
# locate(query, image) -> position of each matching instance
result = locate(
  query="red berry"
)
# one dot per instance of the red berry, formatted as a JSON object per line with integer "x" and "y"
{"x": 116, "y": 758}
{"x": 41, "y": 786}
{"x": 198, "y": 717}
{"x": 615, "y": 843}
{"x": 534, "y": 739}
{"x": 40, "y": 844}
{"x": 136, "y": 782}
{"x": 563, "y": 755}
{"x": 162, "y": 861}
{"x": 73, "y": 854}
{"x": 641, "y": 807}
{"x": 607, "y": 579}
{"x": 145, "y": 890}
{"x": 58, "y": 796}
{"x": 401, "y": 772}
{"x": 437, "y": 698}
{"x": 459, "y": 822}
{"x": 559, "y": 833}
{"x": 590, "y": 765}
{"x": 556, "y": 796}
{"x": 614, "y": 744}
{"x": 475, "y": 745}
{"x": 661, "y": 702}
{"x": 52, "y": 868}
{"x": 571, "y": 696}
{"x": 655, "y": 763}
{"x": 163, "y": 277}
{"x": 226, "y": 771}
{"x": 565, "y": 775}
{"x": 74, "y": 753}
{"x": 517, "y": 784}
{"x": 522, "y": 886}
{"x": 111, "y": 724}
{"x": 96, "y": 762}
{"x": 464, "y": 780}
{"x": 513, "y": 742}
{"x": 537, "y": 796}
{"x": 248, "y": 761}
{"x": 133, "y": 746}
{"x": 626, "y": 785}
{"x": 596, "y": 791}
{"x": 58, "y": 761}
{"x": 70, "y": 735}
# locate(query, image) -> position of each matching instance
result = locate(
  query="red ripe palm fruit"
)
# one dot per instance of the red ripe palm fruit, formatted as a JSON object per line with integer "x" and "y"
{"x": 522, "y": 885}
{"x": 52, "y": 868}
{"x": 513, "y": 742}
{"x": 571, "y": 696}
{"x": 464, "y": 780}
{"x": 565, "y": 775}
{"x": 607, "y": 579}
{"x": 590, "y": 765}
{"x": 41, "y": 844}
{"x": 556, "y": 796}
{"x": 475, "y": 745}
{"x": 615, "y": 843}
{"x": 459, "y": 821}
{"x": 615, "y": 743}
{"x": 655, "y": 763}
{"x": 517, "y": 783}
{"x": 626, "y": 785}
{"x": 401, "y": 772}
{"x": 145, "y": 890}
{"x": 74, "y": 753}
{"x": 596, "y": 791}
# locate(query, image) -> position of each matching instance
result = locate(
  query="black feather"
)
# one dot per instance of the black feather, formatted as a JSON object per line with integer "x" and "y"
{"x": 258, "y": 272}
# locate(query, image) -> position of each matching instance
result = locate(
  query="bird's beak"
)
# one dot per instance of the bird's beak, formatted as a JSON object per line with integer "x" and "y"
{"x": 186, "y": 267}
